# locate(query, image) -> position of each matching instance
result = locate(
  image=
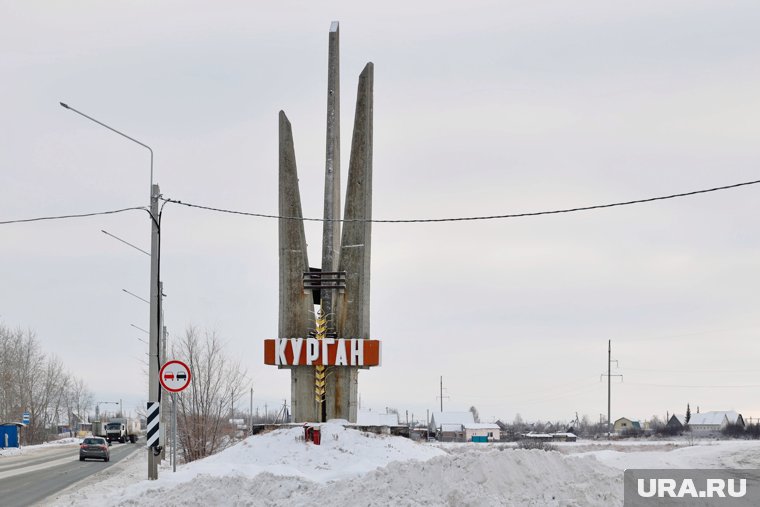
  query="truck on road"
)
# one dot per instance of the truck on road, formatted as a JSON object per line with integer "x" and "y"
{"x": 98, "y": 429}
{"x": 123, "y": 429}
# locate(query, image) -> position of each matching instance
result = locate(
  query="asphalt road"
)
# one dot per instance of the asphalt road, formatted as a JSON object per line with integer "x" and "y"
{"x": 31, "y": 477}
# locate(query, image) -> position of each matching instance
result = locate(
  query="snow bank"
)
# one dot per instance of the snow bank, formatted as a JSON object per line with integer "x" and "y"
{"x": 16, "y": 451}
{"x": 343, "y": 453}
{"x": 475, "y": 478}
{"x": 355, "y": 468}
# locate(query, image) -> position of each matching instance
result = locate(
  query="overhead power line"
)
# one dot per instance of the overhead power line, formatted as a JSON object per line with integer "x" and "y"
{"x": 742, "y": 386}
{"x": 390, "y": 221}
{"x": 472, "y": 218}
{"x": 78, "y": 215}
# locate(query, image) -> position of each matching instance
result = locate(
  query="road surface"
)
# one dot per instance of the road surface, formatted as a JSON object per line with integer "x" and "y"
{"x": 35, "y": 475}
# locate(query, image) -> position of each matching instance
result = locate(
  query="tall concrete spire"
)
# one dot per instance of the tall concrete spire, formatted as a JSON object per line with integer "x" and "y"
{"x": 353, "y": 303}
{"x": 331, "y": 226}
{"x": 345, "y": 295}
{"x": 296, "y": 318}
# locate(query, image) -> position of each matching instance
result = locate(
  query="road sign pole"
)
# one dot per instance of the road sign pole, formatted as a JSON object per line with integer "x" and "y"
{"x": 174, "y": 432}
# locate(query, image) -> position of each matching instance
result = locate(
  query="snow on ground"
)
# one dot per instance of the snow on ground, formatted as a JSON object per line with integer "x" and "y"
{"x": 355, "y": 468}
{"x": 15, "y": 451}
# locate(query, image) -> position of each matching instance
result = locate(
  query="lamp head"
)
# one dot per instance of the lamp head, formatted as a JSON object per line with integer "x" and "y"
{"x": 64, "y": 105}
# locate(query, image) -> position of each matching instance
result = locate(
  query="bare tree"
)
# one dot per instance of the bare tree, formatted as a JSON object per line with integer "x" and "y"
{"x": 30, "y": 381}
{"x": 79, "y": 400}
{"x": 203, "y": 406}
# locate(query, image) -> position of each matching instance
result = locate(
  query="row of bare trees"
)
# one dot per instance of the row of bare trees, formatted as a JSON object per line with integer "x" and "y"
{"x": 31, "y": 381}
{"x": 203, "y": 408}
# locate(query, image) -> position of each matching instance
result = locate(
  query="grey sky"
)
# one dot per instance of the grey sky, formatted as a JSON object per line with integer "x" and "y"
{"x": 480, "y": 108}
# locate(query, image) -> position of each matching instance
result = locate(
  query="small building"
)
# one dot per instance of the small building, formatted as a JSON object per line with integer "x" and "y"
{"x": 9, "y": 433}
{"x": 451, "y": 433}
{"x": 489, "y": 431}
{"x": 371, "y": 418}
{"x": 625, "y": 425}
{"x": 564, "y": 437}
{"x": 449, "y": 426}
{"x": 677, "y": 422}
{"x": 542, "y": 437}
{"x": 381, "y": 422}
{"x": 550, "y": 437}
{"x": 715, "y": 421}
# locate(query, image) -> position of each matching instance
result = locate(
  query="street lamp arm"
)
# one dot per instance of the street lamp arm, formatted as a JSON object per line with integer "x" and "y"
{"x": 135, "y": 295}
{"x": 66, "y": 106}
{"x": 125, "y": 242}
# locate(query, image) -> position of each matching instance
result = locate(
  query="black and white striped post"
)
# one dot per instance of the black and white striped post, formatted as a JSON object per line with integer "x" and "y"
{"x": 153, "y": 425}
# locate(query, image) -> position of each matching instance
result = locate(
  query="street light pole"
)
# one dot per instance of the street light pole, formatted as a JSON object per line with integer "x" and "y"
{"x": 80, "y": 113}
{"x": 154, "y": 392}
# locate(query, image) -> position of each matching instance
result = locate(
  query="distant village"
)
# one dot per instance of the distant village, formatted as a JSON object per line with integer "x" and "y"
{"x": 465, "y": 426}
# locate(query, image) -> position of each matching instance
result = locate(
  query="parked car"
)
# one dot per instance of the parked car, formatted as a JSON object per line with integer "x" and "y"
{"x": 94, "y": 447}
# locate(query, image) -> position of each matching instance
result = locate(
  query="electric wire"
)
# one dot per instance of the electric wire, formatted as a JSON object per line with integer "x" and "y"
{"x": 387, "y": 221}
{"x": 77, "y": 215}
{"x": 471, "y": 218}
{"x": 742, "y": 386}
{"x": 667, "y": 370}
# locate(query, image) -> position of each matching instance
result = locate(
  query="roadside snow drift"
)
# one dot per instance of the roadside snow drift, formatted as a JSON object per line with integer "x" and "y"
{"x": 355, "y": 468}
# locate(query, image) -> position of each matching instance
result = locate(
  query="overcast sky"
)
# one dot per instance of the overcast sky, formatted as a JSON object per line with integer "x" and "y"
{"x": 481, "y": 108}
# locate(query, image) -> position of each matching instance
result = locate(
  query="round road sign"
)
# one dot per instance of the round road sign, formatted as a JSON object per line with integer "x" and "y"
{"x": 174, "y": 376}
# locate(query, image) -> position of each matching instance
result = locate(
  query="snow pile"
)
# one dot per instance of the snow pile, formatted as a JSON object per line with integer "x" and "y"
{"x": 343, "y": 452}
{"x": 356, "y": 468}
{"x": 280, "y": 459}
{"x": 473, "y": 478}
{"x": 10, "y": 451}
{"x": 63, "y": 441}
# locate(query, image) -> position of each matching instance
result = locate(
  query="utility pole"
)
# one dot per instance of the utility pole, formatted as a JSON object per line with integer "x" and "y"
{"x": 442, "y": 396}
{"x": 609, "y": 376}
{"x": 154, "y": 393}
{"x": 250, "y": 415}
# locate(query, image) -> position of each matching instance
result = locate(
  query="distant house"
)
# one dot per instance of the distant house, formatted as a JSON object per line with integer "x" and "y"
{"x": 707, "y": 422}
{"x": 550, "y": 437}
{"x": 625, "y": 425}
{"x": 449, "y": 426}
{"x": 489, "y": 431}
{"x": 676, "y": 422}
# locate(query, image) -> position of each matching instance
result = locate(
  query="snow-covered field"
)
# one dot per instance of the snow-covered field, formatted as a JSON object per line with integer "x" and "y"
{"x": 354, "y": 468}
